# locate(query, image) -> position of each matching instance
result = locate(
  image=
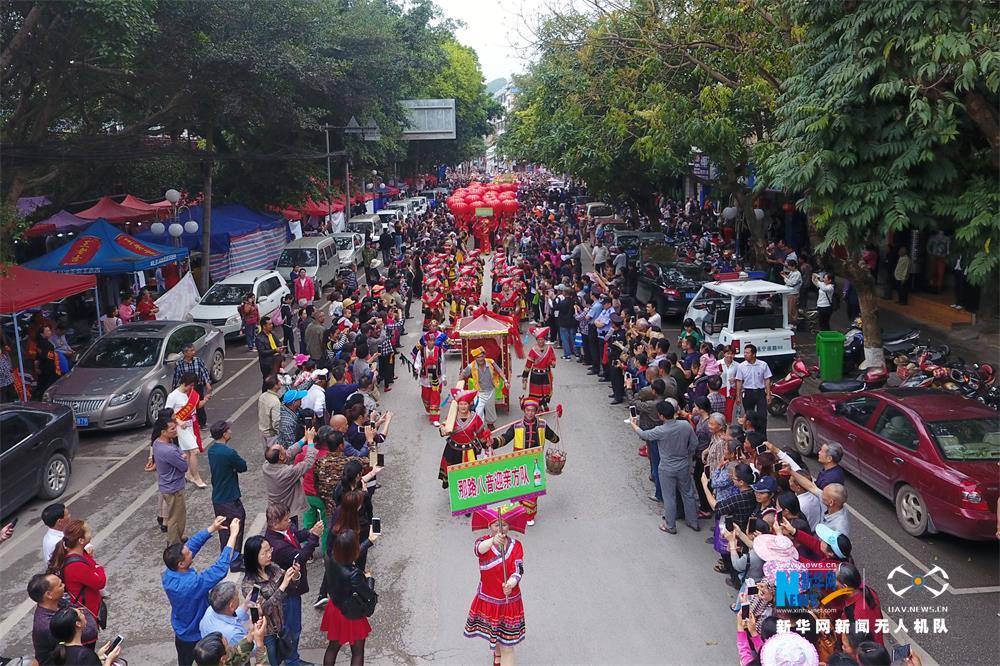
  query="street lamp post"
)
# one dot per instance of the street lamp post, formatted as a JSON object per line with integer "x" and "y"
{"x": 370, "y": 132}
{"x": 176, "y": 229}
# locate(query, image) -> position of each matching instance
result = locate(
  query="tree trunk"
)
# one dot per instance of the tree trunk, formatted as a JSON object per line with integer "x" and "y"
{"x": 758, "y": 239}
{"x": 206, "y": 220}
{"x": 859, "y": 275}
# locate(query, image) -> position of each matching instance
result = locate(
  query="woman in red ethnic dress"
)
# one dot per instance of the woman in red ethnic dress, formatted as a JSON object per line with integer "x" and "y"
{"x": 497, "y": 613}
{"x": 467, "y": 438}
{"x": 537, "y": 375}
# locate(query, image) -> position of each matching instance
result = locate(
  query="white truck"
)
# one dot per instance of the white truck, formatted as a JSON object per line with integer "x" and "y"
{"x": 740, "y": 311}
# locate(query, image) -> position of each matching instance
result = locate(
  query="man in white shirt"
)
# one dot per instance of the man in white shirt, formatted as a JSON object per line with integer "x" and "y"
{"x": 619, "y": 262}
{"x": 653, "y": 317}
{"x": 55, "y": 516}
{"x": 316, "y": 395}
{"x": 600, "y": 255}
{"x": 753, "y": 385}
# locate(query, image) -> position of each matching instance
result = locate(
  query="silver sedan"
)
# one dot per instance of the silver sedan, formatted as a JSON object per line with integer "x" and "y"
{"x": 123, "y": 379}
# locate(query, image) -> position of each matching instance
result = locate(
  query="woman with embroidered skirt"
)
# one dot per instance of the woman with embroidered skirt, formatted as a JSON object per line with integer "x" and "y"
{"x": 497, "y": 613}
{"x": 537, "y": 375}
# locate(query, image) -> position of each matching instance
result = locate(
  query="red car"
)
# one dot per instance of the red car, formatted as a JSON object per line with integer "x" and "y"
{"x": 934, "y": 453}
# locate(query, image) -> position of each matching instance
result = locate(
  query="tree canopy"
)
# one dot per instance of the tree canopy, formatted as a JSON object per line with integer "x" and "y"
{"x": 97, "y": 93}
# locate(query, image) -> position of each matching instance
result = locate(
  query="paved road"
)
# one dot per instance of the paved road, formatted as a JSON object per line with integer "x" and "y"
{"x": 602, "y": 584}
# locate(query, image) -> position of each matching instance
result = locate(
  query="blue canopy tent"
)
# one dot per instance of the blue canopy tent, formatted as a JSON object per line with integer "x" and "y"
{"x": 241, "y": 239}
{"x": 103, "y": 249}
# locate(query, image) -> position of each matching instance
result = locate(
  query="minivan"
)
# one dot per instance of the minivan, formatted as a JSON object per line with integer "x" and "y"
{"x": 316, "y": 254}
{"x": 369, "y": 226}
{"x": 419, "y": 204}
{"x": 404, "y": 205}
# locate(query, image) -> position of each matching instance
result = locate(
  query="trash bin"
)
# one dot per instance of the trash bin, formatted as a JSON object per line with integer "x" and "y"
{"x": 830, "y": 348}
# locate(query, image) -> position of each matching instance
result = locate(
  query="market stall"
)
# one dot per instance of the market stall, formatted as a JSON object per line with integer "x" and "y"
{"x": 23, "y": 288}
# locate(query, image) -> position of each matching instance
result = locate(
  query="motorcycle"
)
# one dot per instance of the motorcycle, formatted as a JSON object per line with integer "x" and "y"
{"x": 894, "y": 342}
{"x": 788, "y": 387}
{"x": 874, "y": 378}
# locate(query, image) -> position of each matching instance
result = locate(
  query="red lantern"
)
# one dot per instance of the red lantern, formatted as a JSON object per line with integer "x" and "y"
{"x": 510, "y": 206}
{"x": 460, "y": 208}
{"x": 478, "y": 203}
{"x": 506, "y": 194}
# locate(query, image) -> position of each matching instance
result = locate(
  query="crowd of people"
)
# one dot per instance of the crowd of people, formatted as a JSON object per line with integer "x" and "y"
{"x": 325, "y": 362}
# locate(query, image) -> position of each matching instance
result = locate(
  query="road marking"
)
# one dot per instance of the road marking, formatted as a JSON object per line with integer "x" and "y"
{"x": 97, "y": 458}
{"x": 35, "y": 531}
{"x": 25, "y": 606}
{"x": 235, "y": 375}
{"x": 895, "y": 545}
{"x": 779, "y": 429}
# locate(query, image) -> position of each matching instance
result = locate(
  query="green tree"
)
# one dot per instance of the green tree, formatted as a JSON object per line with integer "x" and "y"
{"x": 886, "y": 125}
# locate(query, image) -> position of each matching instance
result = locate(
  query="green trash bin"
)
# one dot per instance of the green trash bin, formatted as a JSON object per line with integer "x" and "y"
{"x": 830, "y": 347}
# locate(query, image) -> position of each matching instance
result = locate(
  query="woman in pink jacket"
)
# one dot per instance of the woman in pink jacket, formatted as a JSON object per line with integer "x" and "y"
{"x": 305, "y": 290}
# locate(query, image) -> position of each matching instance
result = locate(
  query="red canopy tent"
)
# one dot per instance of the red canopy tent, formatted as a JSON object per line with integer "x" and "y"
{"x": 138, "y": 204}
{"x": 114, "y": 212}
{"x": 22, "y": 288}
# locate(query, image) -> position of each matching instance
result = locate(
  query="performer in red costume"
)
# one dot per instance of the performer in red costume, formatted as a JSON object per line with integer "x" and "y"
{"x": 428, "y": 361}
{"x": 467, "y": 439}
{"x": 433, "y": 302}
{"x": 528, "y": 433}
{"x": 537, "y": 376}
{"x": 497, "y": 613}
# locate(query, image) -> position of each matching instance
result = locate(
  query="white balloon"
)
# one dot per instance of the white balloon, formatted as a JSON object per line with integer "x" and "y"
{"x": 173, "y": 196}
{"x": 176, "y": 229}
{"x": 191, "y": 226}
{"x": 158, "y": 228}
{"x": 729, "y": 213}
{"x": 759, "y": 214}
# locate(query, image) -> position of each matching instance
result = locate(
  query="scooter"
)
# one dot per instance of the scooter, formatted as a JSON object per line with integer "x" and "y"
{"x": 870, "y": 380}
{"x": 788, "y": 387}
{"x": 901, "y": 341}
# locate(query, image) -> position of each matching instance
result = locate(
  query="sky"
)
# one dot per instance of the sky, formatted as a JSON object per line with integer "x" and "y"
{"x": 493, "y": 28}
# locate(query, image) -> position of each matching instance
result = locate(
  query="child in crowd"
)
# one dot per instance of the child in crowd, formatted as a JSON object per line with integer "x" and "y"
{"x": 710, "y": 364}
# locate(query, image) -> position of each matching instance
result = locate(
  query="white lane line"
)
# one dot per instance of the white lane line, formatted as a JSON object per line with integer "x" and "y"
{"x": 36, "y": 530}
{"x": 770, "y": 429}
{"x": 905, "y": 637}
{"x": 97, "y": 458}
{"x": 25, "y": 606}
{"x": 234, "y": 376}
{"x": 895, "y": 545}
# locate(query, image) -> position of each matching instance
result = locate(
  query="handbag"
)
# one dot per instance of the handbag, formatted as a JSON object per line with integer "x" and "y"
{"x": 362, "y": 601}
{"x": 283, "y": 644}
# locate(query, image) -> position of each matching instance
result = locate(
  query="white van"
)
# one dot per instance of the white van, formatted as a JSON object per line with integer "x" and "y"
{"x": 369, "y": 226}
{"x": 419, "y": 204}
{"x": 598, "y": 209}
{"x": 316, "y": 254}
{"x": 405, "y": 206}
{"x": 741, "y": 311}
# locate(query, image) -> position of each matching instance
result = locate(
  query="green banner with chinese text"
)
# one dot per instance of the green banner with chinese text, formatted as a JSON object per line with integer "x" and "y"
{"x": 502, "y": 478}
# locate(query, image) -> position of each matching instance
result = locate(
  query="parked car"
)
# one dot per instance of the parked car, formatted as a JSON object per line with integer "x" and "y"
{"x": 316, "y": 254}
{"x": 671, "y": 286}
{"x": 419, "y": 204}
{"x": 349, "y": 246}
{"x": 631, "y": 242}
{"x": 219, "y": 307}
{"x": 369, "y": 226}
{"x": 933, "y": 453}
{"x": 389, "y": 217}
{"x": 123, "y": 379}
{"x": 38, "y": 442}
{"x": 405, "y": 206}
{"x": 740, "y": 311}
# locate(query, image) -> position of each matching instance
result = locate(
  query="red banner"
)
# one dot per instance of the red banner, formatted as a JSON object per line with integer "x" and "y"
{"x": 132, "y": 245}
{"x": 82, "y": 251}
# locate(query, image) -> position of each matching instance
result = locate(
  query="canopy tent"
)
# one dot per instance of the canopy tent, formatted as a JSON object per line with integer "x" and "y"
{"x": 310, "y": 208}
{"x": 22, "y": 288}
{"x": 138, "y": 204}
{"x": 107, "y": 209}
{"x": 62, "y": 222}
{"x": 241, "y": 239}
{"x": 103, "y": 249}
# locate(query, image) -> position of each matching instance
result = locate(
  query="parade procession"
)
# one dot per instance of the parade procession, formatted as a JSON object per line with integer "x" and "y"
{"x": 684, "y": 314}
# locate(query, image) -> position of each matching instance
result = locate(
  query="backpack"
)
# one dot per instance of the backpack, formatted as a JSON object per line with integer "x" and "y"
{"x": 277, "y": 318}
{"x": 102, "y": 611}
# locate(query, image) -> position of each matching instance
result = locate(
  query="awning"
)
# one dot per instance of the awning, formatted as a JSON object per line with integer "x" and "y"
{"x": 138, "y": 204}
{"x": 61, "y": 222}
{"x": 106, "y": 250}
{"x": 22, "y": 288}
{"x": 108, "y": 210}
